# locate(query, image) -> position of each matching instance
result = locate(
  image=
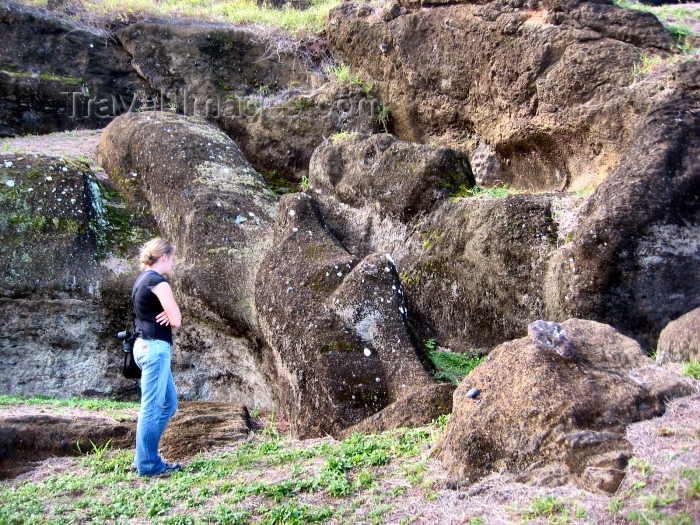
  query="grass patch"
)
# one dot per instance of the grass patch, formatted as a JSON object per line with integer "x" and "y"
{"x": 344, "y": 75}
{"x": 549, "y": 507}
{"x": 452, "y": 367}
{"x": 646, "y": 65}
{"x": 692, "y": 369}
{"x": 235, "y": 486}
{"x": 499, "y": 190}
{"x": 101, "y": 12}
{"x": 117, "y": 409}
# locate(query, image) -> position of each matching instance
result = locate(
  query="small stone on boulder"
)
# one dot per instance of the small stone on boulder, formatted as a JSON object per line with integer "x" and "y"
{"x": 549, "y": 334}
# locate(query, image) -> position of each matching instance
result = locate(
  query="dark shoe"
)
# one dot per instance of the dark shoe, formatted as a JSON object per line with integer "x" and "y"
{"x": 168, "y": 470}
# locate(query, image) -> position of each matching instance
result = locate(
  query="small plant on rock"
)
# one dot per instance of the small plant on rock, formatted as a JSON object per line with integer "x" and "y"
{"x": 692, "y": 369}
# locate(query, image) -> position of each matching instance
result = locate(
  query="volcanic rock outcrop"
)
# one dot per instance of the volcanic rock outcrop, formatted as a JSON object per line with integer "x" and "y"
{"x": 57, "y": 284}
{"x": 50, "y": 69}
{"x": 537, "y": 409}
{"x": 218, "y": 212}
{"x": 680, "y": 340}
{"x": 504, "y": 262}
{"x": 336, "y": 324}
{"x": 558, "y": 116}
{"x": 320, "y": 307}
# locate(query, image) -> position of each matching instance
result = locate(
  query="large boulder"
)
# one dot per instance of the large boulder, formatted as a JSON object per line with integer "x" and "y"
{"x": 401, "y": 179}
{"x": 637, "y": 243}
{"x": 478, "y": 269}
{"x": 201, "y": 62}
{"x": 560, "y": 116}
{"x": 53, "y": 73}
{"x": 269, "y": 98}
{"x": 217, "y": 210}
{"x": 62, "y": 282}
{"x": 538, "y": 409}
{"x": 280, "y": 139}
{"x": 418, "y": 408}
{"x": 336, "y": 324}
{"x": 197, "y": 427}
{"x": 680, "y": 340}
{"x": 472, "y": 269}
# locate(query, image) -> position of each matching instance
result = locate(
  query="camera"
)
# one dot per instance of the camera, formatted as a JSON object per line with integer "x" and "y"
{"x": 127, "y": 338}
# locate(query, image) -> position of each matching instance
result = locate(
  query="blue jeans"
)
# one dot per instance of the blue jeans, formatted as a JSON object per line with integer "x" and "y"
{"x": 158, "y": 403}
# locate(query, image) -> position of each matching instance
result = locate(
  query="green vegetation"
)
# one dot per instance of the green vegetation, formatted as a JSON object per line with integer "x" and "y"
{"x": 449, "y": 366}
{"x": 430, "y": 238}
{"x": 114, "y": 223}
{"x": 549, "y": 507}
{"x": 342, "y": 135}
{"x": 118, "y": 409}
{"x": 585, "y": 191}
{"x": 344, "y": 75}
{"x": 499, "y": 190}
{"x": 100, "y": 13}
{"x": 278, "y": 184}
{"x": 674, "y": 17}
{"x": 383, "y": 116}
{"x": 234, "y": 486}
{"x": 645, "y": 66}
{"x": 692, "y": 369}
{"x": 13, "y": 71}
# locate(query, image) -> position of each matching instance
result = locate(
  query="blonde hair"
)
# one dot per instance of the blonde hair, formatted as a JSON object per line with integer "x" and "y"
{"x": 154, "y": 250}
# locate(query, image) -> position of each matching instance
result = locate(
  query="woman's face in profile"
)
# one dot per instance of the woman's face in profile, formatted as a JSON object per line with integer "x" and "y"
{"x": 169, "y": 263}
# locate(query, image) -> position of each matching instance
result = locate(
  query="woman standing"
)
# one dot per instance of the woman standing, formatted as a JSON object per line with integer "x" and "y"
{"x": 156, "y": 312}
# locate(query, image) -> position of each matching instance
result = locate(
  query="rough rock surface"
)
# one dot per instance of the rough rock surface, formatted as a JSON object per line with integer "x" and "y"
{"x": 401, "y": 179}
{"x": 44, "y": 60}
{"x": 336, "y": 325}
{"x": 282, "y": 138}
{"x": 218, "y": 212}
{"x": 473, "y": 269}
{"x": 416, "y": 409}
{"x": 559, "y": 116}
{"x": 537, "y": 408}
{"x": 621, "y": 257}
{"x": 47, "y": 205}
{"x": 207, "y": 61}
{"x": 198, "y": 427}
{"x": 265, "y": 97}
{"x": 638, "y": 240}
{"x": 62, "y": 295}
{"x": 680, "y": 340}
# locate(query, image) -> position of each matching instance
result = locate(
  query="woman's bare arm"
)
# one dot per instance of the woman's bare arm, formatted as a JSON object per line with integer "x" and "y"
{"x": 171, "y": 312}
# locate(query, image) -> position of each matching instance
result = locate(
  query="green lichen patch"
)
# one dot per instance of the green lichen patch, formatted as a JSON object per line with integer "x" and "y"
{"x": 14, "y": 71}
{"x": 119, "y": 228}
{"x": 339, "y": 346}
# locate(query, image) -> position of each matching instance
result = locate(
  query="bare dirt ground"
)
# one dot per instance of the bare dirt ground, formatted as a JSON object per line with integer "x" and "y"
{"x": 79, "y": 144}
{"x": 661, "y": 485}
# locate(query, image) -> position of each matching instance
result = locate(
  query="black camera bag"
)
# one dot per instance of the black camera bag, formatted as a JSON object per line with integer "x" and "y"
{"x": 131, "y": 370}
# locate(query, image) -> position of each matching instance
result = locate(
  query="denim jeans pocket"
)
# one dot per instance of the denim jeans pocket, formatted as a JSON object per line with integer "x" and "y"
{"x": 148, "y": 351}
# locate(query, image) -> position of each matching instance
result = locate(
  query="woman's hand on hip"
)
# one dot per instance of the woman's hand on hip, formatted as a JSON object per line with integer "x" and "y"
{"x": 162, "y": 318}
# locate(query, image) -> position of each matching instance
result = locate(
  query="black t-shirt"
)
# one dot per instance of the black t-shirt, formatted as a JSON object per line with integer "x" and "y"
{"x": 147, "y": 306}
